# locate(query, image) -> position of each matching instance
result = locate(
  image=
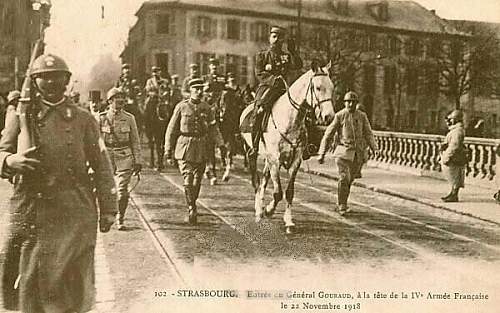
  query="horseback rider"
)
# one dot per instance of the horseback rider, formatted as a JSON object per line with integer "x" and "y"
{"x": 157, "y": 114}
{"x": 272, "y": 66}
{"x": 130, "y": 88}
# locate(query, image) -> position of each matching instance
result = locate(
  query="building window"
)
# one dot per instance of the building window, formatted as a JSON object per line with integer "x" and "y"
{"x": 393, "y": 45}
{"x": 165, "y": 24}
{"x": 259, "y": 32}
{"x": 161, "y": 60}
{"x": 238, "y": 65}
{"x": 434, "y": 48}
{"x": 203, "y": 27}
{"x": 233, "y": 29}
{"x": 389, "y": 79}
{"x": 202, "y": 59}
{"x": 369, "y": 42}
{"x": 414, "y": 47}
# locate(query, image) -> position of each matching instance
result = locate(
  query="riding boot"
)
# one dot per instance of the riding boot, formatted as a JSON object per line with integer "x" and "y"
{"x": 122, "y": 208}
{"x": 190, "y": 201}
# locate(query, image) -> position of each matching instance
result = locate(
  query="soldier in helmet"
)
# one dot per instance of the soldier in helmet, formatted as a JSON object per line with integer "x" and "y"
{"x": 121, "y": 137}
{"x": 453, "y": 155}
{"x": 351, "y": 132}
{"x": 272, "y": 66}
{"x": 188, "y": 132}
{"x": 194, "y": 72}
{"x": 53, "y": 210}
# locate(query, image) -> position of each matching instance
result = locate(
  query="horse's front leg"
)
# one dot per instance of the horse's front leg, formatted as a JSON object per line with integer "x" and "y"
{"x": 274, "y": 169}
{"x": 259, "y": 195}
{"x": 289, "y": 193}
{"x": 226, "y": 156}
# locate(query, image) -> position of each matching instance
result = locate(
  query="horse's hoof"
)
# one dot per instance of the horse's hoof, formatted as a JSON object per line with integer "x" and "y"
{"x": 269, "y": 213}
{"x": 225, "y": 178}
{"x": 258, "y": 218}
{"x": 289, "y": 230}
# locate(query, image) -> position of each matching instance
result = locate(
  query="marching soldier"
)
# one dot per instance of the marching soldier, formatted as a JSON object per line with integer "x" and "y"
{"x": 272, "y": 66}
{"x": 194, "y": 72}
{"x": 53, "y": 210}
{"x": 210, "y": 97}
{"x": 352, "y": 133}
{"x": 218, "y": 82}
{"x": 119, "y": 131}
{"x": 188, "y": 131}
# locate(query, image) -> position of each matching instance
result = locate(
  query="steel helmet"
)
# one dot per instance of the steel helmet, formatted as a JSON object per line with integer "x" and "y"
{"x": 113, "y": 92}
{"x": 48, "y": 63}
{"x": 457, "y": 115}
{"x": 13, "y": 95}
{"x": 351, "y": 95}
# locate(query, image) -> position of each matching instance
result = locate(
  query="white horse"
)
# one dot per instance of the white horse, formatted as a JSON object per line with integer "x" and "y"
{"x": 283, "y": 141}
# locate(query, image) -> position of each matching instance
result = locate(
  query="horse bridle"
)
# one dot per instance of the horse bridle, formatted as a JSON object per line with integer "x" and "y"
{"x": 300, "y": 107}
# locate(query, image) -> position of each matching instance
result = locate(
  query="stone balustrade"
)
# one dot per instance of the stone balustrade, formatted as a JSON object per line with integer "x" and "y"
{"x": 421, "y": 152}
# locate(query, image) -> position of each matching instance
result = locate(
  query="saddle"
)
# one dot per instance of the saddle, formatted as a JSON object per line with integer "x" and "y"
{"x": 248, "y": 118}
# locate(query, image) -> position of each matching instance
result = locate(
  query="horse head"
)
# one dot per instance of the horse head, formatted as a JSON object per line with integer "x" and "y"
{"x": 320, "y": 91}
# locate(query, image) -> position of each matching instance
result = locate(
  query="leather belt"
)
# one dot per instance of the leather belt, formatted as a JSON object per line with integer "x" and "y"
{"x": 117, "y": 145}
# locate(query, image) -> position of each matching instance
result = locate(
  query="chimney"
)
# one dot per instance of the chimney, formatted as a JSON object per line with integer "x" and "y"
{"x": 433, "y": 11}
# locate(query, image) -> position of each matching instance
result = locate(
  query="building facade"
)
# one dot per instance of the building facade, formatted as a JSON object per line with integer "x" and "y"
{"x": 387, "y": 51}
{"x": 20, "y": 26}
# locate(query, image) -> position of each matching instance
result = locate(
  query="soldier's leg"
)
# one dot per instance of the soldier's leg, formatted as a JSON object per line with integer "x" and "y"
{"x": 122, "y": 179}
{"x": 344, "y": 170}
{"x": 160, "y": 142}
{"x": 187, "y": 170}
{"x": 197, "y": 176}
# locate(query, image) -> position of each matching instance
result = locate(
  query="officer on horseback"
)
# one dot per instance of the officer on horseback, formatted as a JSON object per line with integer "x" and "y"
{"x": 272, "y": 66}
{"x": 130, "y": 88}
{"x": 119, "y": 131}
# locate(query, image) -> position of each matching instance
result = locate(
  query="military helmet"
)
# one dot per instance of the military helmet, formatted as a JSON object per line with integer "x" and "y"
{"x": 457, "y": 115}
{"x": 155, "y": 69}
{"x": 13, "y": 95}
{"x": 351, "y": 95}
{"x": 48, "y": 63}
{"x": 277, "y": 29}
{"x": 113, "y": 92}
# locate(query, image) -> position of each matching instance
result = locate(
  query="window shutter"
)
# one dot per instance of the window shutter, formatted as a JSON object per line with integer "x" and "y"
{"x": 213, "y": 28}
{"x": 243, "y": 31}
{"x": 223, "y": 28}
{"x": 194, "y": 26}
{"x": 253, "y": 32}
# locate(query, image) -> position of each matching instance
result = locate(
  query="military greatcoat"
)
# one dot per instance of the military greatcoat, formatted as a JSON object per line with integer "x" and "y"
{"x": 53, "y": 212}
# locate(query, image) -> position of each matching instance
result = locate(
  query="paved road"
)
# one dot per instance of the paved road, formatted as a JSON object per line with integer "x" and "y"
{"x": 386, "y": 244}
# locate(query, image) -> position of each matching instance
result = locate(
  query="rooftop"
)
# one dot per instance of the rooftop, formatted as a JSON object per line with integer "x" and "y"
{"x": 402, "y": 15}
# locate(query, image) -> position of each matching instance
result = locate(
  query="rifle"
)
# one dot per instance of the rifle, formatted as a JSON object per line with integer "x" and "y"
{"x": 27, "y": 105}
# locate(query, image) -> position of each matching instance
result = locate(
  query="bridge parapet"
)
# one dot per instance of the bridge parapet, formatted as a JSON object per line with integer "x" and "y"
{"x": 420, "y": 153}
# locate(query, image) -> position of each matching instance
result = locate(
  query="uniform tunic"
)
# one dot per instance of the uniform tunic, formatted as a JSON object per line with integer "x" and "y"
{"x": 121, "y": 137}
{"x": 353, "y": 134}
{"x": 455, "y": 174}
{"x": 54, "y": 214}
{"x": 188, "y": 132}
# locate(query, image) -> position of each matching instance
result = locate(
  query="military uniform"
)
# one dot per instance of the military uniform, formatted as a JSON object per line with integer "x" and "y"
{"x": 121, "y": 138}
{"x": 130, "y": 88}
{"x": 186, "y": 139}
{"x": 270, "y": 65}
{"x": 351, "y": 133}
{"x": 53, "y": 211}
{"x": 158, "y": 112}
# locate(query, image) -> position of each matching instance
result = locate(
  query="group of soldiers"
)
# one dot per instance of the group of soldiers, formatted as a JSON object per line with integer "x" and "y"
{"x": 79, "y": 168}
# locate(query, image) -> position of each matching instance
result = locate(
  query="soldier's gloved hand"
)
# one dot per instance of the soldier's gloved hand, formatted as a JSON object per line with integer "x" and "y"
{"x": 291, "y": 45}
{"x": 105, "y": 222}
{"x": 23, "y": 162}
{"x": 321, "y": 158}
{"x": 137, "y": 168}
{"x": 268, "y": 67}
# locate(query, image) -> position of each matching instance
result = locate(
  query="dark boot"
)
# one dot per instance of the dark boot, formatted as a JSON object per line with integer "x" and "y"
{"x": 453, "y": 196}
{"x": 448, "y": 195}
{"x": 151, "y": 157}
{"x": 191, "y": 218}
{"x": 122, "y": 208}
